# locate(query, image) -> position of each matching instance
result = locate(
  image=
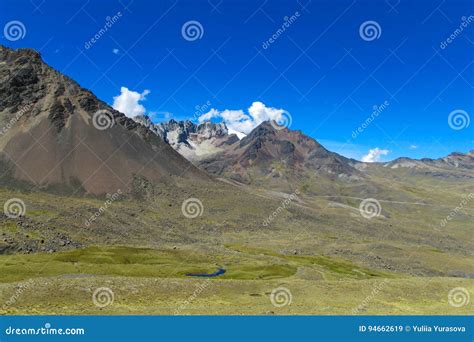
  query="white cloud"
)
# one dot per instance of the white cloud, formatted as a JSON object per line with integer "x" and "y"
{"x": 238, "y": 120}
{"x": 128, "y": 102}
{"x": 374, "y": 155}
{"x": 413, "y": 147}
{"x": 116, "y": 51}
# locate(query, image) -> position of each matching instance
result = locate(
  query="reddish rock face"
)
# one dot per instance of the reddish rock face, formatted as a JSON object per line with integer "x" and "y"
{"x": 277, "y": 155}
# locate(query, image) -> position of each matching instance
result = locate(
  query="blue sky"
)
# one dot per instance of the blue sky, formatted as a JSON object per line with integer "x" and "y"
{"x": 323, "y": 68}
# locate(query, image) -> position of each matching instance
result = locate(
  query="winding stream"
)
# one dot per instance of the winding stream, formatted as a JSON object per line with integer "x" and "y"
{"x": 217, "y": 273}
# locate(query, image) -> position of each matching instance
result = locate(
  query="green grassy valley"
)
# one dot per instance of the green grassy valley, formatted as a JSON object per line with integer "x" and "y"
{"x": 319, "y": 247}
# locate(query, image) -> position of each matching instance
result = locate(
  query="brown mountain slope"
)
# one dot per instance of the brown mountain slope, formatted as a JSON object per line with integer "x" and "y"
{"x": 49, "y": 139}
{"x": 279, "y": 156}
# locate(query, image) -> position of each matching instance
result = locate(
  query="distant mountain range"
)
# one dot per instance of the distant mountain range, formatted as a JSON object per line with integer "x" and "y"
{"x": 269, "y": 154}
{"x": 193, "y": 141}
{"x": 57, "y": 135}
{"x": 95, "y": 200}
{"x": 454, "y": 160}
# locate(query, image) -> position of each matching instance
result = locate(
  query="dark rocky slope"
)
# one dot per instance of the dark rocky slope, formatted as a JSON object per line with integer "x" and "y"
{"x": 49, "y": 139}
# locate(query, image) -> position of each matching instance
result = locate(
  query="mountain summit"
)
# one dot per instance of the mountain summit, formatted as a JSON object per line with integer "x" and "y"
{"x": 193, "y": 141}
{"x": 268, "y": 155}
{"x": 276, "y": 153}
{"x": 58, "y": 135}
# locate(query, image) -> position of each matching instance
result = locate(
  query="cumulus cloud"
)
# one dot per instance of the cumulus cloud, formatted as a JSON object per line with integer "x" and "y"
{"x": 238, "y": 120}
{"x": 374, "y": 155}
{"x": 128, "y": 102}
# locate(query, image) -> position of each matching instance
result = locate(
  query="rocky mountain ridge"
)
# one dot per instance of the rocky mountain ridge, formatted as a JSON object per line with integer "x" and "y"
{"x": 58, "y": 135}
{"x": 453, "y": 160}
{"x": 274, "y": 153}
{"x": 54, "y": 137}
{"x": 193, "y": 141}
{"x": 265, "y": 152}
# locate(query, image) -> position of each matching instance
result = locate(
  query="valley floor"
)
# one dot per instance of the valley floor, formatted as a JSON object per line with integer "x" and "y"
{"x": 129, "y": 280}
{"x": 169, "y": 296}
{"x": 316, "y": 255}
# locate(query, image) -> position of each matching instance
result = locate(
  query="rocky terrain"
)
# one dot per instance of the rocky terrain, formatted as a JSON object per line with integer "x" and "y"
{"x": 59, "y": 136}
{"x": 456, "y": 164}
{"x": 273, "y": 209}
{"x": 283, "y": 159}
{"x": 279, "y": 154}
{"x": 267, "y": 154}
{"x": 193, "y": 141}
